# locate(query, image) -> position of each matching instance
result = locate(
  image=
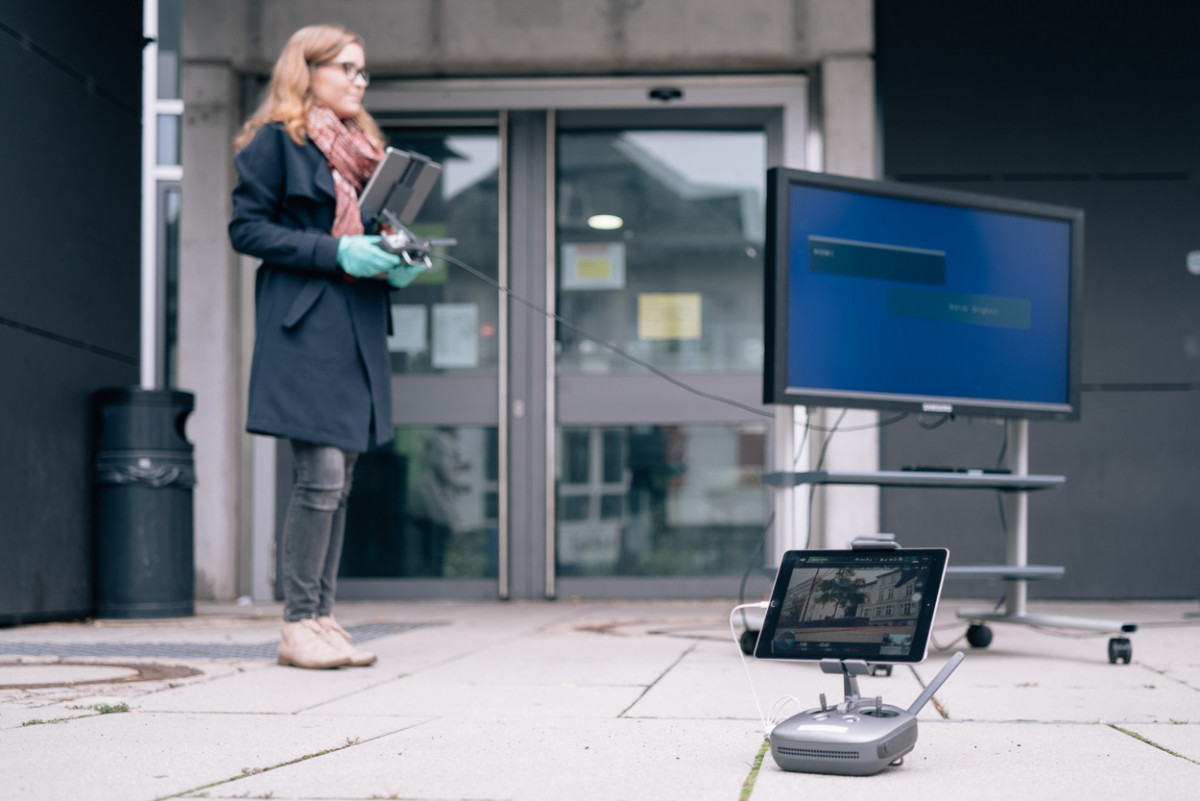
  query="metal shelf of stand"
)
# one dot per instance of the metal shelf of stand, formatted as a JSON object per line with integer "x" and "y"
{"x": 919, "y": 478}
{"x": 1016, "y": 484}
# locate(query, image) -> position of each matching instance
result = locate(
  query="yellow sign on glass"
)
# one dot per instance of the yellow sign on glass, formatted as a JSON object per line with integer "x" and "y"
{"x": 669, "y": 315}
{"x": 593, "y": 265}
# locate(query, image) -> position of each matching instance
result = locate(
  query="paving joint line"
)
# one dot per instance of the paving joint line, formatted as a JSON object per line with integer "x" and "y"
{"x": 1151, "y": 743}
{"x": 752, "y": 777}
{"x": 248, "y": 772}
{"x": 658, "y": 678}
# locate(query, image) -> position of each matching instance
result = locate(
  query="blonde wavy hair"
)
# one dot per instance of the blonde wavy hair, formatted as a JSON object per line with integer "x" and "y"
{"x": 290, "y": 93}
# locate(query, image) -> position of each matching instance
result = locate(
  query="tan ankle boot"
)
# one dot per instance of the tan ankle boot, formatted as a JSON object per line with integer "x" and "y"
{"x": 340, "y": 638}
{"x": 303, "y": 644}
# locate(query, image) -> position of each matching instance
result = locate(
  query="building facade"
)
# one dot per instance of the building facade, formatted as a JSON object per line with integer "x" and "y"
{"x": 568, "y": 466}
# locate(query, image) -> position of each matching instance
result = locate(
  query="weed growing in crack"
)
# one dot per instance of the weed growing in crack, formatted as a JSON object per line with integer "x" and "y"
{"x": 110, "y": 709}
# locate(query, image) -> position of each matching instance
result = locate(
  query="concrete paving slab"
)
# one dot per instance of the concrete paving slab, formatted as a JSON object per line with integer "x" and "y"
{"x": 567, "y": 658}
{"x": 643, "y": 617}
{"x": 268, "y": 688}
{"x": 710, "y": 681}
{"x": 529, "y": 760}
{"x": 451, "y": 631}
{"x": 530, "y": 661}
{"x": 998, "y": 686}
{"x": 217, "y": 628}
{"x": 488, "y": 621}
{"x": 525, "y": 700}
{"x": 430, "y": 695}
{"x": 1172, "y": 651}
{"x": 67, "y": 694}
{"x": 985, "y": 761}
{"x": 18, "y": 718}
{"x": 11, "y": 717}
{"x": 58, "y": 673}
{"x": 141, "y": 755}
{"x": 1162, "y": 628}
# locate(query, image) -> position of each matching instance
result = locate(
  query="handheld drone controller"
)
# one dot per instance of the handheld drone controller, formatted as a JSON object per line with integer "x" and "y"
{"x": 414, "y": 250}
{"x": 874, "y": 603}
{"x": 857, "y": 737}
{"x": 395, "y": 193}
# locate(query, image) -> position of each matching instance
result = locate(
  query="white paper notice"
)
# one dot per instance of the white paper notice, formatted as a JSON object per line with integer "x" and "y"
{"x": 455, "y": 335}
{"x": 408, "y": 329}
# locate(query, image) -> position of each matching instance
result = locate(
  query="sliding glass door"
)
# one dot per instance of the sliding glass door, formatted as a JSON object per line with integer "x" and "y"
{"x": 617, "y": 451}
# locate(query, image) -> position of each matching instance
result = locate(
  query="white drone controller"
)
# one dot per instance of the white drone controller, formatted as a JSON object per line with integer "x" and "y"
{"x": 857, "y": 737}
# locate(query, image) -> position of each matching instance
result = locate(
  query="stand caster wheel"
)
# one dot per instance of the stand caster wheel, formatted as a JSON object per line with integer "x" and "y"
{"x": 1120, "y": 649}
{"x": 747, "y": 641}
{"x": 979, "y": 635}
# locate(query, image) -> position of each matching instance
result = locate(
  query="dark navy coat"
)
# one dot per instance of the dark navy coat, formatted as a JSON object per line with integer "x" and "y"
{"x": 321, "y": 371}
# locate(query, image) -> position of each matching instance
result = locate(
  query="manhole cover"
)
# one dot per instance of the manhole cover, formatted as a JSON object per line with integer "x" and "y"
{"x": 35, "y": 675}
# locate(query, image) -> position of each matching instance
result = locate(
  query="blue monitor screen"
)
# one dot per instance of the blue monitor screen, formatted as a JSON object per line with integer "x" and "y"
{"x": 900, "y": 296}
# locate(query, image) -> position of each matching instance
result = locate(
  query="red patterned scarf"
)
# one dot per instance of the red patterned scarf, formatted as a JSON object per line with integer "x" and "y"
{"x": 352, "y": 157}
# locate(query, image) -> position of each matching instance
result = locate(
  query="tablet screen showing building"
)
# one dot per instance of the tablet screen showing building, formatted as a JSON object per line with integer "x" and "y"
{"x": 872, "y": 605}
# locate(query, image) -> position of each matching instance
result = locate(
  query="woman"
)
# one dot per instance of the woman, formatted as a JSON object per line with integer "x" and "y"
{"x": 321, "y": 375}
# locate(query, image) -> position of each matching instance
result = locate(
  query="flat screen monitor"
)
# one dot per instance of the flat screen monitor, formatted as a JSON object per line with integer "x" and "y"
{"x": 872, "y": 605}
{"x": 883, "y": 295}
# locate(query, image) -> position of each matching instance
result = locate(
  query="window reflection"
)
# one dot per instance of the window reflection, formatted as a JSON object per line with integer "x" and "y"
{"x": 425, "y": 507}
{"x": 660, "y": 249}
{"x": 169, "y": 132}
{"x": 685, "y": 501}
{"x": 445, "y": 322}
{"x": 170, "y": 18}
{"x": 171, "y": 196}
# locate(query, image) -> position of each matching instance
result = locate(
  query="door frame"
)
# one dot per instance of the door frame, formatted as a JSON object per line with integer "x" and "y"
{"x": 791, "y": 141}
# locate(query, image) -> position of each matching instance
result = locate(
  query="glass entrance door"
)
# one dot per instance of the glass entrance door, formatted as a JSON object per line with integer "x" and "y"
{"x": 659, "y": 233}
{"x": 541, "y": 459}
{"x": 425, "y": 514}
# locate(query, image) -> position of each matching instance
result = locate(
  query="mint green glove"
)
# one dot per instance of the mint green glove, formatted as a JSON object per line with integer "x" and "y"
{"x": 405, "y": 274}
{"x": 361, "y": 256}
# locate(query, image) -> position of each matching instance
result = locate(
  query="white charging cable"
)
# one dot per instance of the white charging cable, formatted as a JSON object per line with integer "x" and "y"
{"x": 745, "y": 665}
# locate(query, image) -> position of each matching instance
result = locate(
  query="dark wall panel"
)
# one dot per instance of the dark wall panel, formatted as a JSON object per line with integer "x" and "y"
{"x": 69, "y": 221}
{"x": 74, "y": 219}
{"x": 1041, "y": 86}
{"x": 46, "y": 439}
{"x": 1092, "y": 105}
{"x": 1123, "y": 525}
{"x": 91, "y": 40}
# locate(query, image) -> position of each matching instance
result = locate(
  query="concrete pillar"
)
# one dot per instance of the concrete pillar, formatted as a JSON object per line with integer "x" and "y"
{"x": 211, "y": 324}
{"x": 850, "y": 140}
{"x": 848, "y": 109}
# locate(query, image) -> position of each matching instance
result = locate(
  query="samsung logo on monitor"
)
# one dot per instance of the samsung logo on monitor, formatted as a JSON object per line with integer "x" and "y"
{"x": 938, "y": 408}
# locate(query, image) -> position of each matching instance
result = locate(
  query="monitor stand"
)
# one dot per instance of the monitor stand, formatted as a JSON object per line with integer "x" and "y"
{"x": 858, "y": 737}
{"x": 1015, "y": 485}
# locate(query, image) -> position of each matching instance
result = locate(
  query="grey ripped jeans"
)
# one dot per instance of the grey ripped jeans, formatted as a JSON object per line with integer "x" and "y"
{"x": 314, "y": 528}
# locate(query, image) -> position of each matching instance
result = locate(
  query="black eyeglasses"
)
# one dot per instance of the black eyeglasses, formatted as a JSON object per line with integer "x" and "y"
{"x": 351, "y": 69}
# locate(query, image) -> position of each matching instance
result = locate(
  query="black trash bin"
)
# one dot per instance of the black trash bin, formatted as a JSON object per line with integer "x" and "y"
{"x": 144, "y": 478}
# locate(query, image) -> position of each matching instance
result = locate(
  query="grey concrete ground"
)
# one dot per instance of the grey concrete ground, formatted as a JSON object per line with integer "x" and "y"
{"x": 579, "y": 701}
